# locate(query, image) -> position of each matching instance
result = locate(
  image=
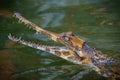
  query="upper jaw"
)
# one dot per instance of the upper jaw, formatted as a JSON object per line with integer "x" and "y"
{"x": 39, "y": 29}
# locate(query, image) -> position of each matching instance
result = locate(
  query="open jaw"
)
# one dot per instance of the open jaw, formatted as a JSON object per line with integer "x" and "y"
{"x": 68, "y": 39}
{"x": 21, "y": 19}
{"x": 62, "y": 52}
{"x": 74, "y": 50}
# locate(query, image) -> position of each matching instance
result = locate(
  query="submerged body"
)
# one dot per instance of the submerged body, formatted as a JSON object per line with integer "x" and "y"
{"x": 75, "y": 50}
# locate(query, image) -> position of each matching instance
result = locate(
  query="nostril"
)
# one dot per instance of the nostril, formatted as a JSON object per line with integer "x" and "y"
{"x": 16, "y": 14}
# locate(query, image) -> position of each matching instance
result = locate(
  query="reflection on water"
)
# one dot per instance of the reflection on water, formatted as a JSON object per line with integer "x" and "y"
{"x": 46, "y": 61}
{"x": 49, "y": 75}
{"x": 46, "y": 4}
{"x": 96, "y": 21}
{"x": 52, "y": 19}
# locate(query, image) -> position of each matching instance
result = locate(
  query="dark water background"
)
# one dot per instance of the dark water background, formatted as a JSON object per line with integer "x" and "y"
{"x": 96, "y": 21}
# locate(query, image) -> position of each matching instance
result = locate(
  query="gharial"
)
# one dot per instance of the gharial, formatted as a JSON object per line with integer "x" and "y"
{"x": 76, "y": 50}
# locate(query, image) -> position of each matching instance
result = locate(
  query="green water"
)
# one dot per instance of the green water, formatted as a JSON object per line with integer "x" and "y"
{"x": 96, "y": 21}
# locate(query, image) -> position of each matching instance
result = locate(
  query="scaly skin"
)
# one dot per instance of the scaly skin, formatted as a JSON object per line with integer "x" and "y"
{"x": 75, "y": 50}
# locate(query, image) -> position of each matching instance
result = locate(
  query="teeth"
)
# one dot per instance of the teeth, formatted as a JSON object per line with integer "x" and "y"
{"x": 25, "y": 23}
{"x": 9, "y": 36}
{"x": 29, "y": 27}
{"x": 22, "y": 20}
{"x": 37, "y": 44}
{"x": 14, "y": 38}
{"x": 19, "y": 21}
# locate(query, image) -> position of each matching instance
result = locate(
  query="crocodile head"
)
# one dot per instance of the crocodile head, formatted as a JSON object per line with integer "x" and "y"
{"x": 75, "y": 49}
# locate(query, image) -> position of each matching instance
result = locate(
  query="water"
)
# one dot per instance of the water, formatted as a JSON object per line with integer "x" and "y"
{"x": 96, "y": 21}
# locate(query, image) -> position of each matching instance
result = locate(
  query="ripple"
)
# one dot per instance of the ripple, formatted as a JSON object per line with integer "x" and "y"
{"x": 46, "y": 61}
{"x": 52, "y": 19}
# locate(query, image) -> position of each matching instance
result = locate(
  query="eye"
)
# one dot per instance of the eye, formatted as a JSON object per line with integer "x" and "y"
{"x": 66, "y": 38}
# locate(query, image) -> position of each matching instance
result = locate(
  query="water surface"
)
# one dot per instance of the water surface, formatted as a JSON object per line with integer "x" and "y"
{"x": 95, "y": 21}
